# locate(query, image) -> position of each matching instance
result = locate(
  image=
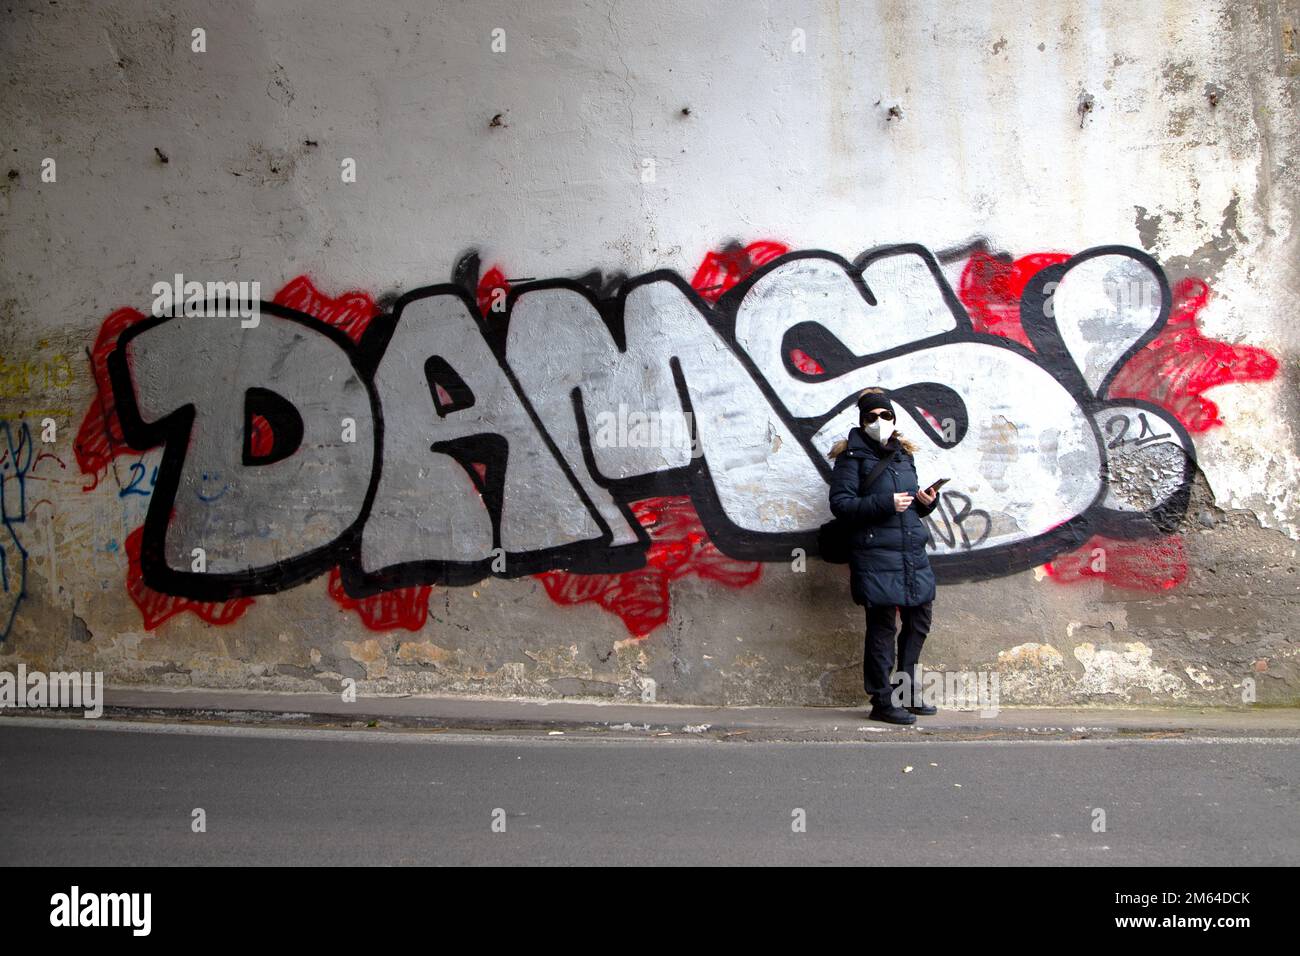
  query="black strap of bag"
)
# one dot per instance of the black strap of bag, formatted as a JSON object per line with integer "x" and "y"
{"x": 881, "y": 465}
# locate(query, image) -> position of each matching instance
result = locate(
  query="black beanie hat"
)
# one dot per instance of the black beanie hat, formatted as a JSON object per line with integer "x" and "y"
{"x": 881, "y": 399}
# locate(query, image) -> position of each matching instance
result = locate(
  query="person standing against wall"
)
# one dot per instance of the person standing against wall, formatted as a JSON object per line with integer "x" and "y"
{"x": 889, "y": 571}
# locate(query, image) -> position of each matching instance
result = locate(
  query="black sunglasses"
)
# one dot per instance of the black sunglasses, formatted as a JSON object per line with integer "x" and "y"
{"x": 869, "y": 417}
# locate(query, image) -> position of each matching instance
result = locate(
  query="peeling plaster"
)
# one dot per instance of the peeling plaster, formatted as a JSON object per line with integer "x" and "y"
{"x": 1120, "y": 669}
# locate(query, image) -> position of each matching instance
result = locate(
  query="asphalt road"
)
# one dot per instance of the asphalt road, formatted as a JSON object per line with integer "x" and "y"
{"x": 109, "y": 795}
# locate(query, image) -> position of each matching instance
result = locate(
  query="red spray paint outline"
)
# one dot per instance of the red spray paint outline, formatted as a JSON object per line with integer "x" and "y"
{"x": 156, "y": 607}
{"x": 720, "y": 271}
{"x": 1180, "y": 364}
{"x": 99, "y": 439}
{"x": 1156, "y": 564}
{"x": 678, "y": 548}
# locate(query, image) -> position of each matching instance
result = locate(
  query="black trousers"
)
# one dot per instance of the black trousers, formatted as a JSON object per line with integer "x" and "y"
{"x": 878, "y": 656}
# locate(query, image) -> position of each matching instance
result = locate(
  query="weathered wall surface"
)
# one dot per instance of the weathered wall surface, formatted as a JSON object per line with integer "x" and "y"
{"x": 565, "y": 303}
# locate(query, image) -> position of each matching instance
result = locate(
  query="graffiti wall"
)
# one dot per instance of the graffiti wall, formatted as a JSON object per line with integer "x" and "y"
{"x": 549, "y": 461}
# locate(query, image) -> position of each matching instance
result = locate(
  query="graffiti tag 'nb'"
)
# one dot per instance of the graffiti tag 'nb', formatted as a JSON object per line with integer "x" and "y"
{"x": 475, "y": 437}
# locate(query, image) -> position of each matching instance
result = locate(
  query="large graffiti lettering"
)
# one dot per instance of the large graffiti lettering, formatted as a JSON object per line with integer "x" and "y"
{"x": 466, "y": 431}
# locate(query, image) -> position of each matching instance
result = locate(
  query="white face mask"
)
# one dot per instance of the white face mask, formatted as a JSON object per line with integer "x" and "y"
{"x": 880, "y": 429}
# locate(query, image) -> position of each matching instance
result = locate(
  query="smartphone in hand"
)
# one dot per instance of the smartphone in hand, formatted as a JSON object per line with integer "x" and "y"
{"x": 937, "y": 485}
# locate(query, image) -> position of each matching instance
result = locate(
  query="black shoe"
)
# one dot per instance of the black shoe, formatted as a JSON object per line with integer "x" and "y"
{"x": 890, "y": 714}
{"x": 925, "y": 710}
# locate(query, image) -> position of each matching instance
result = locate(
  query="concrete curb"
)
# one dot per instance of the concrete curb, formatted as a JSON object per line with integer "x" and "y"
{"x": 604, "y": 719}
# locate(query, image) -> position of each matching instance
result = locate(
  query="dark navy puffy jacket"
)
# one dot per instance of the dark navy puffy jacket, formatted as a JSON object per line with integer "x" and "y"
{"x": 887, "y": 561}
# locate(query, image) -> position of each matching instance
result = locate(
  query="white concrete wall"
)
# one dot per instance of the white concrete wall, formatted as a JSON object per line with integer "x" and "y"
{"x": 1188, "y": 151}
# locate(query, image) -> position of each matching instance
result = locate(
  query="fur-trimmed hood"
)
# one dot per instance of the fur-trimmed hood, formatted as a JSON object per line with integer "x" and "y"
{"x": 859, "y": 439}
